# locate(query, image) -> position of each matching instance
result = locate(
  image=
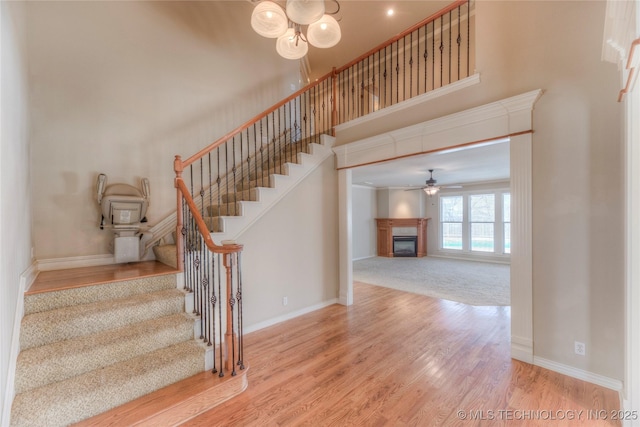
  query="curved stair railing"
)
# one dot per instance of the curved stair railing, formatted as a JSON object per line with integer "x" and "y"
{"x": 212, "y": 183}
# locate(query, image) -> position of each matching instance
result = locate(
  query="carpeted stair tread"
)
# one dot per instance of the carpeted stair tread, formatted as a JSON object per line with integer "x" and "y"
{"x": 69, "y": 322}
{"x": 81, "y": 397}
{"x": 39, "y": 366}
{"x": 277, "y": 170}
{"x": 36, "y": 303}
{"x": 247, "y": 184}
{"x": 250, "y": 195}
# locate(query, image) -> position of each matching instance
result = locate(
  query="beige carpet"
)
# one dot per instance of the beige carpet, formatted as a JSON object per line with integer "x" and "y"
{"x": 469, "y": 282}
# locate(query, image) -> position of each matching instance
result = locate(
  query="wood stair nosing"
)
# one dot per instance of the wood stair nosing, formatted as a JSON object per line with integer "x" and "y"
{"x": 174, "y": 404}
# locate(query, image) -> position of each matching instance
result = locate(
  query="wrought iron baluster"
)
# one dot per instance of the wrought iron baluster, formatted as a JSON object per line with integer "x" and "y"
{"x": 468, "y": 35}
{"x": 441, "y": 49}
{"x": 449, "y": 47}
{"x": 459, "y": 41}
{"x": 397, "y": 72}
{"x": 219, "y": 184}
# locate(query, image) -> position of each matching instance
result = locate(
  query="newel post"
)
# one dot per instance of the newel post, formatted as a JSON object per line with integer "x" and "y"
{"x": 177, "y": 167}
{"x": 230, "y": 337}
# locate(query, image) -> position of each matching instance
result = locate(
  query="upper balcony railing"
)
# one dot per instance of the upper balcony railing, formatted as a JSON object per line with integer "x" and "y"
{"x": 433, "y": 53}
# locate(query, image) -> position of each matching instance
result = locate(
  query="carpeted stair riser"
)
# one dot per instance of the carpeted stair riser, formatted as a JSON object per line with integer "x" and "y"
{"x": 78, "y": 398}
{"x": 166, "y": 254}
{"x": 36, "y": 303}
{"x": 39, "y": 366}
{"x": 264, "y": 173}
{"x": 69, "y": 322}
{"x": 249, "y": 195}
{"x": 225, "y": 209}
{"x": 247, "y": 184}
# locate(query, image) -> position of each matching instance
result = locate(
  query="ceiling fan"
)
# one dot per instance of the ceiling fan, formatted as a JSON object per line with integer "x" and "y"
{"x": 430, "y": 188}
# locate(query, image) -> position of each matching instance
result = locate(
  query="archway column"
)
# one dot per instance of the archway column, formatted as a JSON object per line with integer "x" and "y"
{"x": 508, "y": 119}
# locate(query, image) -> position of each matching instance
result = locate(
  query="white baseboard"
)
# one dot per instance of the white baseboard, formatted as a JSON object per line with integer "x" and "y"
{"x": 74, "y": 262}
{"x": 364, "y": 257}
{"x": 580, "y": 374}
{"x": 26, "y": 279}
{"x": 289, "y": 316}
{"x": 488, "y": 259}
{"x": 522, "y": 349}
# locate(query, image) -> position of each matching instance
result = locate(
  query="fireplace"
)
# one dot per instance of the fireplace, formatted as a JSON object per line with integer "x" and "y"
{"x": 405, "y": 246}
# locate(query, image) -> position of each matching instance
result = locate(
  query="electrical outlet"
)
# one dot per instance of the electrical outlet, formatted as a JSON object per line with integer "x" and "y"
{"x": 285, "y": 300}
{"x": 580, "y": 348}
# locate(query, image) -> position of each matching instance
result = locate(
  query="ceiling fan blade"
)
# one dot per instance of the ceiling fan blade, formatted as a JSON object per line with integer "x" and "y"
{"x": 452, "y": 186}
{"x": 414, "y": 189}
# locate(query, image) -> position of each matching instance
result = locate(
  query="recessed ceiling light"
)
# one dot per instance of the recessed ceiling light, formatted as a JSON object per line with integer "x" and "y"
{"x": 390, "y": 12}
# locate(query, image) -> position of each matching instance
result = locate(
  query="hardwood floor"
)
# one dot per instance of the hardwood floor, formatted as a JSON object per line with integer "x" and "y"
{"x": 396, "y": 358}
{"x": 48, "y": 281}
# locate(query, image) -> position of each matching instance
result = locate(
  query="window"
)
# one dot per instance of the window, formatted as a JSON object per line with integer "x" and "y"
{"x": 476, "y": 222}
{"x": 506, "y": 222}
{"x": 482, "y": 216}
{"x": 451, "y": 217}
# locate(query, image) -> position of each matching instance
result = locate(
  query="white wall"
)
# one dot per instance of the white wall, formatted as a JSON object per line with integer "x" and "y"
{"x": 292, "y": 250}
{"x": 122, "y": 87}
{"x": 364, "y": 222}
{"x": 15, "y": 194}
{"x": 398, "y": 203}
{"x": 577, "y": 166}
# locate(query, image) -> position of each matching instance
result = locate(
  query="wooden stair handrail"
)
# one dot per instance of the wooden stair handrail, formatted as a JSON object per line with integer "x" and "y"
{"x": 202, "y": 227}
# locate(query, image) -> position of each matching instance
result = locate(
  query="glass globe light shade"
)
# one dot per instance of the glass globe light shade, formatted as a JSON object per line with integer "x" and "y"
{"x": 269, "y": 20}
{"x": 304, "y": 12}
{"x": 290, "y": 46}
{"x": 324, "y": 33}
{"x": 431, "y": 190}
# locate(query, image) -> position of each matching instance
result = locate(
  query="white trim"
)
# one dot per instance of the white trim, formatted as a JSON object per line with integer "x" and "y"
{"x": 522, "y": 348}
{"x": 521, "y": 271}
{"x": 26, "y": 280}
{"x": 484, "y": 123}
{"x": 345, "y": 236}
{"x": 289, "y": 316}
{"x": 74, "y": 262}
{"x": 580, "y": 374}
{"x": 415, "y": 101}
{"x": 363, "y": 257}
{"x": 631, "y": 392}
{"x": 503, "y": 260}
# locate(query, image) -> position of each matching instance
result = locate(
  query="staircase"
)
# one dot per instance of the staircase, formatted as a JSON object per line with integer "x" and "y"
{"x": 88, "y": 349}
{"x": 253, "y": 194}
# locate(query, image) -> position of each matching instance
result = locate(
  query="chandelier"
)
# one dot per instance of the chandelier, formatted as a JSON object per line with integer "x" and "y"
{"x": 270, "y": 20}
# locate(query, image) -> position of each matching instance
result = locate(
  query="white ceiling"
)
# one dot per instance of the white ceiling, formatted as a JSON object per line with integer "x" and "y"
{"x": 481, "y": 163}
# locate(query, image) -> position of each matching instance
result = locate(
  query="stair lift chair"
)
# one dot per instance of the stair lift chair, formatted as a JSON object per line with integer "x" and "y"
{"x": 123, "y": 209}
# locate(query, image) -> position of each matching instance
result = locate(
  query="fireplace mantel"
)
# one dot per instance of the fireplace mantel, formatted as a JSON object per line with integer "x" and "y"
{"x": 385, "y": 234}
